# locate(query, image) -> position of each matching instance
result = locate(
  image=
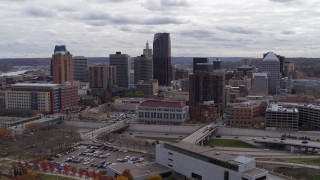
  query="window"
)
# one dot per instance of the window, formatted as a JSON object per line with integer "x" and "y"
{"x": 226, "y": 175}
{"x": 170, "y": 159}
{"x": 196, "y": 176}
{"x": 170, "y": 165}
{"x": 244, "y": 178}
{"x": 261, "y": 178}
{"x": 170, "y": 153}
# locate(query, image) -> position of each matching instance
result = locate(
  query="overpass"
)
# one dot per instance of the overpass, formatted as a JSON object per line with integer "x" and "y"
{"x": 293, "y": 143}
{"x": 201, "y": 135}
{"x": 107, "y": 129}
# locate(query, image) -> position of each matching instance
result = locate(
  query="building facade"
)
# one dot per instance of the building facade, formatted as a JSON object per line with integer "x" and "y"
{"x": 62, "y": 65}
{"x": 217, "y": 64}
{"x": 80, "y": 68}
{"x": 260, "y": 83}
{"x": 279, "y": 117}
{"x": 142, "y": 68}
{"x": 204, "y": 163}
{"x": 149, "y": 88}
{"x": 310, "y": 114}
{"x": 50, "y": 98}
{"x": 121, "y": 62}
{"x": 205, "y": 86}
{"x": 163, "y": 112}
{"x": 271, "y": 66}
{"x": 102, "y": 76}
{"x": 162, "y": 68}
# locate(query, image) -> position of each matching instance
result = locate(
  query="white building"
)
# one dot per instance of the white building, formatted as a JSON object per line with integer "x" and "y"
{"x": 260, "y": 83}
{"x": 271, "y": 65}
{"x": 164, "y": 112}
{"x": 204, "y": 163}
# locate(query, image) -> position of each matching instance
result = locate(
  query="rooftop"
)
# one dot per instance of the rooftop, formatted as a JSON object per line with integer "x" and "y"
{"x": 278, "y": 108}
{"x": 34, "y": 85}
{"x": 270, "y": 57}
{"x": 140, "y": 170}
{"x": 158, "y": 103}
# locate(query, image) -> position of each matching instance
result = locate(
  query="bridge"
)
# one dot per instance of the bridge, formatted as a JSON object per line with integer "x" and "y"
{"x": 293, "y": 143}
{"x": 107, "y": 129}
{"x": 201, "y": 135}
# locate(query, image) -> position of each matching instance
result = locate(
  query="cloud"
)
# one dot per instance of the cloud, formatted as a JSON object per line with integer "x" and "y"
{"x": 38, "y": 12}
{"x": 288, "y": 32}
{"x": 283, "y": 1}
{"x": 174, "y": 3}
{"x": 196, "y": 33}
{"x": 164, "y": 5}
{"x": 236, "y": 29}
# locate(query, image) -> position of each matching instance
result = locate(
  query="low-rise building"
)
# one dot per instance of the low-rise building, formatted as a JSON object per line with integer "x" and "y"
{"x": 148, "y": 88}
{"x": 310, "y": 114}
{"x": 206, "y": 112}
{"x": 163, "y": 112}
{"x": 204, "y": 163}
{"x": 128, "y": 104}
{"x": 246, "y": 112}
{"x": 279, "y": 117}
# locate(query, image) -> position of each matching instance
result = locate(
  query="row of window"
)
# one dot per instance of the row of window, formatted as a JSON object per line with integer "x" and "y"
{"x": 161, "y": 115}
{"x": 160, "y": 109}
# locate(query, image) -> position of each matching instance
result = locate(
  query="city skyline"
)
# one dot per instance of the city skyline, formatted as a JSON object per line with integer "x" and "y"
{"x": 30, "y": 28}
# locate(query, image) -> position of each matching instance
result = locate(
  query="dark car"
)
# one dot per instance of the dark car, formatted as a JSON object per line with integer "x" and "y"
{"x": 304, "y": 142}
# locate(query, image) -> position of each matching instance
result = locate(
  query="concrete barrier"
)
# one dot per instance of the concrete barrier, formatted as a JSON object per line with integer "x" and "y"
{"x": 177, "y": 129}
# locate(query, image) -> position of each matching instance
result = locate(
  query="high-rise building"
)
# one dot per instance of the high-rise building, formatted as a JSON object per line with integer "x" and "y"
{"x": 288, "y": 68}
{"x": 260, "y": 83}
{"x": 121, "y": 61}
{"x": 143, "y": 66}
{"x": 80, "y": 67}
{"x": 201, "y": 64}
{"x": 102, "y": 76}
{"x": 216, "y": 64}
{"x": 162, "y": 68}
{"x": 271, "y": 65}
{"x": 62, "y": 65}
{"x": 282, "y": 63}
{"x": 204, "y": 86}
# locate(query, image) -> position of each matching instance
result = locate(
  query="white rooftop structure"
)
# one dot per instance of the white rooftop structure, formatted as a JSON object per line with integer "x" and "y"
{"x": 270, "y": 57}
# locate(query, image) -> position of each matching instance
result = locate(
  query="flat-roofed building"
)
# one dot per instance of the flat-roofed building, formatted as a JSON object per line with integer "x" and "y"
{"x": 260, "y": 83}
{"x": 163, "y": 112}
{"x": 128, "y": 104}
{"x": 310, "y": 114}
{"x": 279, "y": 117}
{"x": 205, "y": 163}
{"x": 148, "y": 88}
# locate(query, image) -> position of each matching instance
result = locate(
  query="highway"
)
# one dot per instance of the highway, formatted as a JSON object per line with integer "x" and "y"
{"x": 200, "y": 134}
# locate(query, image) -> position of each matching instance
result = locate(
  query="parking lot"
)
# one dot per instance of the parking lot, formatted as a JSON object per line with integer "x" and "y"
{"x": 97, "y": 157}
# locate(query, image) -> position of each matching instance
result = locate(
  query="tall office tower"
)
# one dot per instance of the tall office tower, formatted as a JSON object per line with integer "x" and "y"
{"x": 147, "y": 52}
{"x": 143, "y": 66}
{"x": 204, "y": 86}
{"x": 162, "y": 68}
{"x": 271, "y": 65}
{"x": 80, "y": 67}
{"x": 199, "y": 64}
{"x": 62, "y": 65}
{"x": 282, "y": 63}
{"x": 216, "y": 64}
{"x": 288, "y": 68}
{"x": 121, "y": 61}
{"x": 102, "y": 76}
{"x": 260, "y": 84}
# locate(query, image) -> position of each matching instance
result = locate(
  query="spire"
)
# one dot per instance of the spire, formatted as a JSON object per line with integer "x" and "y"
{"x": 147, "y": 45}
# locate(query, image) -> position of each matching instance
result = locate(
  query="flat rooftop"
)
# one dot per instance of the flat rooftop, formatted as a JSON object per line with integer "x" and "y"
{"x": 278, "y": 108}
{"x": 140, "y": 170}
{"x": 207, "y": 152}
{"x": 34, "y": 85}
{"x": 255, "y": 172}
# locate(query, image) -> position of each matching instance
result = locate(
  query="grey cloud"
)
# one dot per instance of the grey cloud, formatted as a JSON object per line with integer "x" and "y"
{"x": 102, "y": 19}
{"x": 174, "y": 3}
{"x": 38, "y": 12}
{"x": 197, "y": 33}
{"x": 236, "y": 29}
{"x": 288, "y": 32}
{"x": 283, "y": 1}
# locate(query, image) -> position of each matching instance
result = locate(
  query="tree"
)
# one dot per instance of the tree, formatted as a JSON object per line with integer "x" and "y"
{"x": 305, "y": 127}
{"x": 32, "y": 127}
{"x": 127, "y": 173}
{"x": 122, "y": 178}
{"x": 154, "y": 177}
{"x": 4, "y": 132}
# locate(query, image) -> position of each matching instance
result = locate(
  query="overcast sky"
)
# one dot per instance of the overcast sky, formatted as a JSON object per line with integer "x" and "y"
{"x": 31, "y": 28}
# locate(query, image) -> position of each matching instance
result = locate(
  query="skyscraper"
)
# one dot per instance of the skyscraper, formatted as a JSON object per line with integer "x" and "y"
{"x": 216, "y": 64}
{"x": 62, "y": 65}
{"x": 204, "y": 86}
{"x": 121, "y": 61}
{"x": 201, "y": 64}
{"x": 162, "y": 68}
{"x": 102, "y": 76}
{"x": 271, "y": 65}
{"x": 80, "y": 67}
{"x": 143, "y": 66}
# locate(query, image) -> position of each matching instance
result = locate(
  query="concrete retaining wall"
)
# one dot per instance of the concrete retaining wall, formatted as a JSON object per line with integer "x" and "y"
{"x": 178, "y": 129}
